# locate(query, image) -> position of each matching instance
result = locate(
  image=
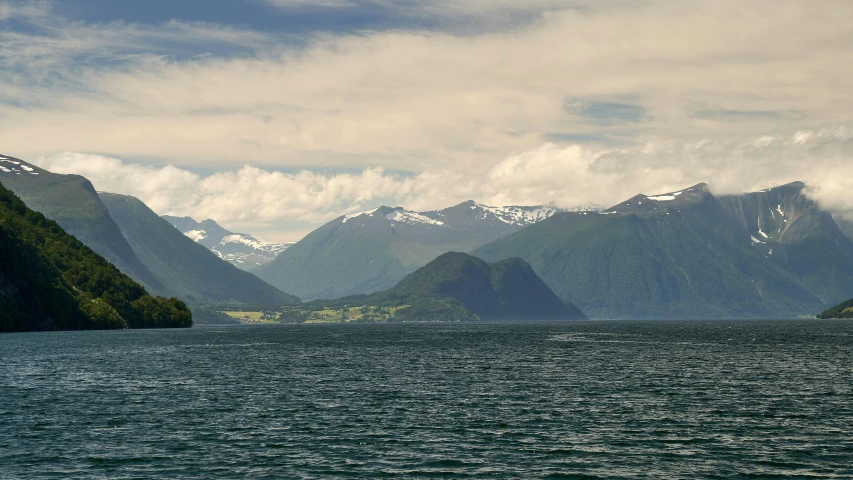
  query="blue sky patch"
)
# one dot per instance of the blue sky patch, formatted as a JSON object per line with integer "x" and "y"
{"x": 606, "y": 112}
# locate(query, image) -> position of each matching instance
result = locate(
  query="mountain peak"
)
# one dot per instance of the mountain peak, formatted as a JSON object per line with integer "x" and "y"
{"x": 509, "y": 289}
{"x": 380, "y": 210}
{"x": 700, "y": 189}
{"x": 651, "y": 204}
{"x": 795, "y": 186}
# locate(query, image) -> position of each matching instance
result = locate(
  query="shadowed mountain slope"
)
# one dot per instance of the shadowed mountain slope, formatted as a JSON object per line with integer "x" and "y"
{"x": 689, "y": 254}
{"x": 71, "y": 201}
{"x": 49, "y": 280}
{"x": 183, "y": 266}
{"x": 458, "y": 286}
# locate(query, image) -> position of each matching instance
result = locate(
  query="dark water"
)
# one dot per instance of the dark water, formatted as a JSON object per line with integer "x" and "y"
{"x": 580, "y": 400}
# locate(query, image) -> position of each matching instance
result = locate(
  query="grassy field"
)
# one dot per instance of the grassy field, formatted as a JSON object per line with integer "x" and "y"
{"x": 251, "y": 317}
{"x": 361, "y": 313}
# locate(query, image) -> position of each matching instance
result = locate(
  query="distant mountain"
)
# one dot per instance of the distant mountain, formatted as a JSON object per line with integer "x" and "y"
{"x": 239, "y": 249}
{"x": 184, "y": 267}
{"x": 842, "y": 310}
{"x": 49, "y": 280}
{"x": 457, "y": 286}
{"x": 372, "y": 250}
{"x": 689, "y": 254}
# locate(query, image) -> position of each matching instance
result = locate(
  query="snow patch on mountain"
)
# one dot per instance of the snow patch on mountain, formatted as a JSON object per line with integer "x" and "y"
{"x": 239, "y": 249}
{"x": 196, "y": 235}
{"x": 242, "y": 239}
{"x": 412, "y": 218}
{"x": 665, "y": 198}
{"x": 520, "y": 216}
{"x": 253, "y": 243}
{"x": 358, "y": 214}
{"x": 760, "y": 232}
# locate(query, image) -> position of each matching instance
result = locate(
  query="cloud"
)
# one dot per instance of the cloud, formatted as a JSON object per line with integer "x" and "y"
{"x": 310, "y": 3}
{"x": 28, "y": 9}
{"x": 422, "y": 100}
{"x": 257, "y": 199}
{"x": 446, "y": 8}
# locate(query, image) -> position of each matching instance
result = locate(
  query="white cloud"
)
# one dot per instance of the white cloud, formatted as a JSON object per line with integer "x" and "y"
{"x": 27, "y": 9}
{"x": 420, "y": 100}
{"x": 741, "y": 95}
{"x": 256, "y": 199}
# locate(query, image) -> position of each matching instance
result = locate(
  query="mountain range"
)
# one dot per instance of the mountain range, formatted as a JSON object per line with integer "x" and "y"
{"x": 372, "y": 250}
{"x": 135, "y": 239}
{"x": 240, "y": 249}
{"x": 684, "y": 254}
{"x": 49, "y": 280}
{"x": 691, "y": 254}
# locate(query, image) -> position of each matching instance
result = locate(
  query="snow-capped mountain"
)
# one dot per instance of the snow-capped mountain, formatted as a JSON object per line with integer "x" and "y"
{"x": 469, "y": 214}
{"x": 372, "y": 250}
{"x": 240, "y": 249}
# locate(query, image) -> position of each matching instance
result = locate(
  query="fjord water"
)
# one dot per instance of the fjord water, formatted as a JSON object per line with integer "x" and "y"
{"x": 769, "y": 399}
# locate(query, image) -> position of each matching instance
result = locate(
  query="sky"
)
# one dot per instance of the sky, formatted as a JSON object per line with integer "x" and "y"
{"x": 275, "y": 116}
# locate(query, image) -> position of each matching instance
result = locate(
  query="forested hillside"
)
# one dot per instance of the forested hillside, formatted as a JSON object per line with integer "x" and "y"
{"x": 843, "y": 310}
{"x": 49, "y": 280}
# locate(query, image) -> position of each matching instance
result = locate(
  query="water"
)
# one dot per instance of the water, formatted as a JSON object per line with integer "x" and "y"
{"x": 579, "y": 400}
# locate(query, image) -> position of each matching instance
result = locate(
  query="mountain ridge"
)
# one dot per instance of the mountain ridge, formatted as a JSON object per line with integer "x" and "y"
{"x": 372, "y": 250}
{"x": 72, "y": 201}
{"x": 690, "y": 254}
{"x": 49, "y": 280}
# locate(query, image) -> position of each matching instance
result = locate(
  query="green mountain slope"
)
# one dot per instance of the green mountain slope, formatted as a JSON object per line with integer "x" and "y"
{"x": 842, "y": 310}
{"x": 371, "y": 251}
{"x": 146, "y": 248}
{"x": 185, "y": 268}
{"x": 690, "y": 254}
{"x": 72, "y": 202}
{"x": 458, "y": 286}
{"x": 49, "y": 280}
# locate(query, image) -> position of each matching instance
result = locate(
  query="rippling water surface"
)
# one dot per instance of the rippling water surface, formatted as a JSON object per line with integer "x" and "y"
{"x": 577, "y": 400}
